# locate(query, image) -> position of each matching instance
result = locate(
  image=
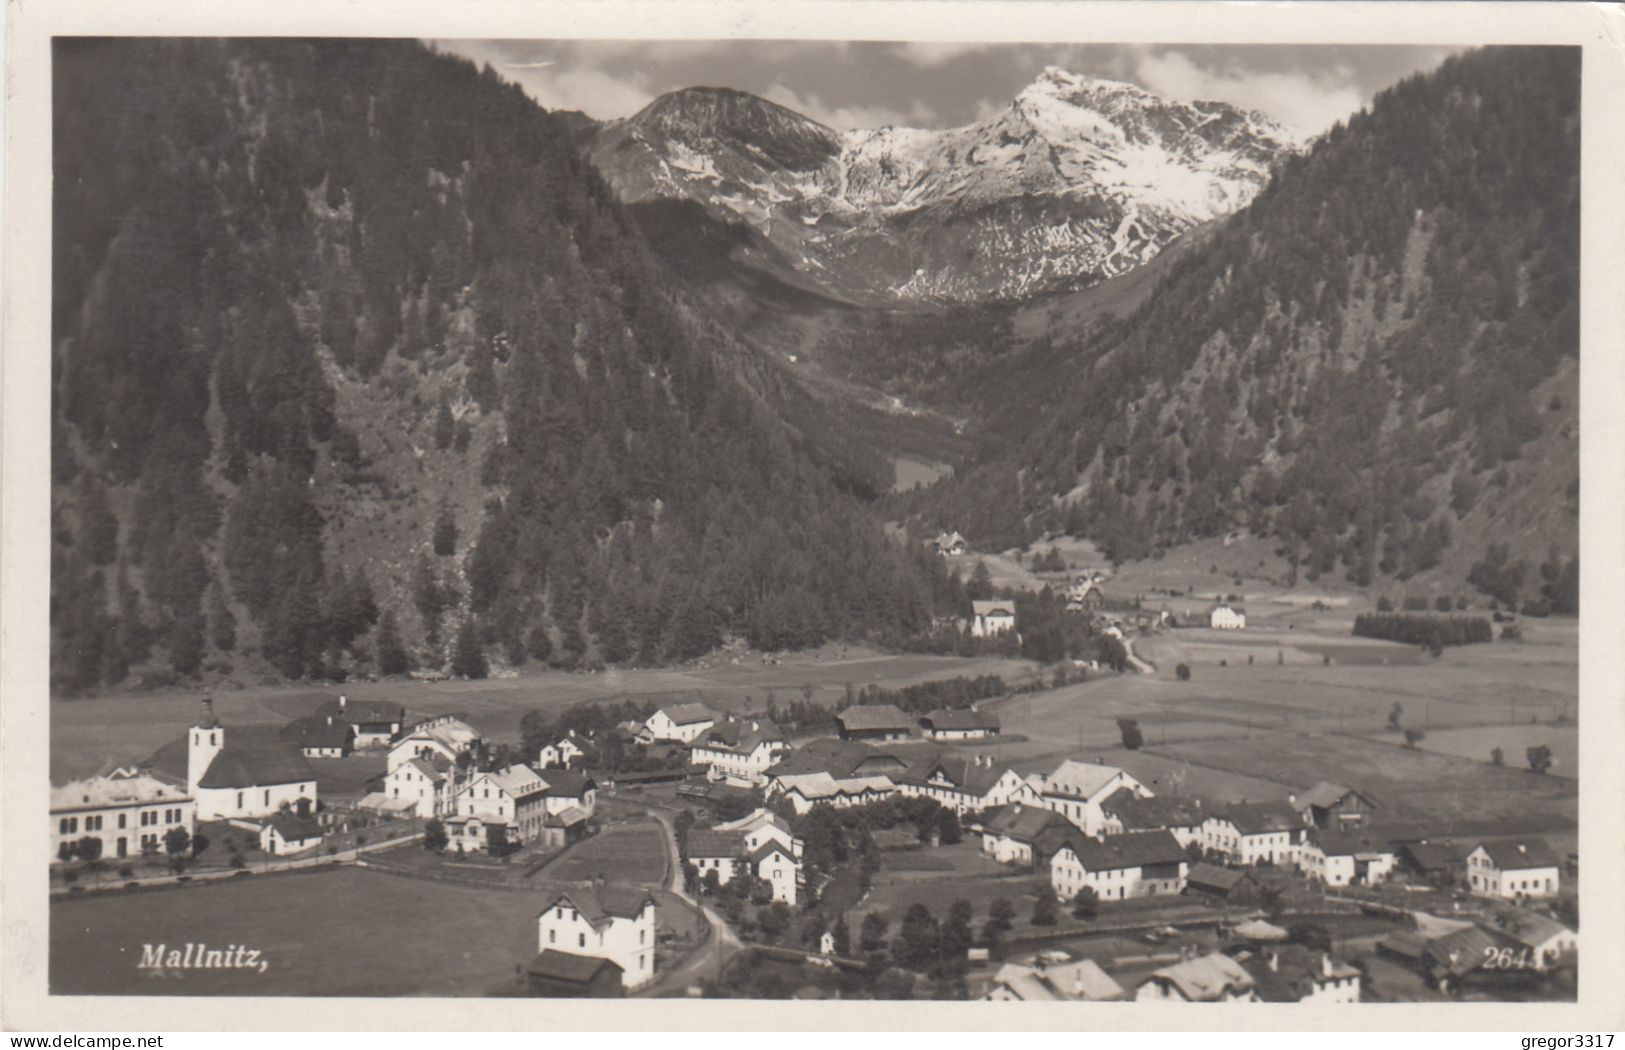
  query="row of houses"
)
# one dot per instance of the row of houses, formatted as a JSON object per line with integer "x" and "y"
{"x": 1285, "y": 973}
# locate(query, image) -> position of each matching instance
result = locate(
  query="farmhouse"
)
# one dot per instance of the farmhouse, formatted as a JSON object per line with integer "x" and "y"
{"x": 290, "y": 833}
{"x": 446, "y": 736}
{"x": 429, "y": 783}
{"x": 964, "y": 784}
{"x": 239, "y": 771}
{"x": 497, "y": 808}
{"x": 128, "y": 810}
{"x": 1227, "y": 618}
{"x": 1329, "y": 805}
{"x": 606, "y": 922}
{"x": 1221, "y": 884}
{"x": 1076, "y": 790}
{"x": 1339, "y": 858}
{"x": 1124, "y": 810}
{"x": 375, "y": 723}
{"x": 1214, "y": 978}
{"x": 1293, "y": 974}
{"x": 679, "y": 722}
{"x": 764, "y": 826}
{"x": 739, "y": 750}
{"x": 718, "y": 851}
{"x": 949, "y": 544}
{"x": 1080, "y": 981}
{"x": 1513, "y": 870}
{"x": 319, "y": 738}
{"x": 960, "y": 724}
{"x": 1024, "y": 834}
{"x": 1548, "y": 940}
{"x": 874, "y": 722}
{"x": 1250, "y": 832}
{"x": 1436, "y": 862}
{"x": 1135, "y": 864}
{"x": 992, "y": 617}
{"x": 563, "y": 753}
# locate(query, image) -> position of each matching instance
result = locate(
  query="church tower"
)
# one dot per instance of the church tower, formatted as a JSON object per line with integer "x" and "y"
{"x": 204, "y": 741}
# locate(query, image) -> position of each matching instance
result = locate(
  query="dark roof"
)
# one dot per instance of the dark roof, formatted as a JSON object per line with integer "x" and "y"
{"x": 1432, "y": 855}
{"x": 1512, "y": 855}
{"x": 767, "y": 849}
{"x": 716, "y": 844}
{"x": 688, "y": 714}
{"x": 874, "y": 716}
{"x": 252, "y": 756}
{"x": 736, "y": 734}
{"x": 1324, "y": 795}
{"x": 1256, "y": 818}
{"x": 961, "y": 771}
{"x": 318, "y": 732}
{"x": 599, "y": 903}
{"x": 562, "y": 966}
{"x": 363, "y": 712}
{"x": 1214, "y": 876}
{"x": 1464, "y": 950}
{"x": 1348, "y": 843}
{"x": 566, "y": 783}
{"x": 1132, "y": 850}
{"x": 1022, "y": 822}
{"x": 838, "y": 758}
{"x": 1160, "y": 811}
{"x": 1407, "y": 943}
{"x": 292, "y": 826}
{"x": 169, "y": 761}
{"x": 960, "y": 718}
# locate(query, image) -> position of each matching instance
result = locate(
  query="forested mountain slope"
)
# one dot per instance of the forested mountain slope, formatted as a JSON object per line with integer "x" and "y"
{"x": 1376, "y": 361}
{"x": 357, "y": 365}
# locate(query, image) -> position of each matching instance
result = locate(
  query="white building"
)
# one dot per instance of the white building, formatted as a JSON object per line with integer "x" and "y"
{"x": 286, "y": 833}
{"x": 1181, "y": 816}
{"x": 739, "y": 751}
{"x": 806, "y": 790}
{"x": 960, "y": 724}
{"x": 1254, "y": 832}
{"x": 761, "y": 827}
{"x": 446, "y": 736}
{"x": 1214, "y": 978}
{"x": 965, "y": 784}
{"x": 1345, "y": 860}
{"x": 1080, "y": 980}
{"x": 679, "y": 722}
{"x": 1293, "y": 974}
{"x": 1076, "y": 790}
{"x": 1227, "y": 618}
{"x": 1024, "y": 834}
{"x": 1137, "y": 864}
{"x": 429, "y": 782}
{"x": 1547, "y": 939}
{"x": 374, "y": 723}
{"x": 1513, "y": 870}
{"x": 606, "y": 922}
{"x": 236, "y": 772}
{"x": 129, "y": 811}
{"x": 564, "y": 753}
{"x": 512, "y": 800}
{"x": 992, "y": 617}
{"x": 777, "y": 867}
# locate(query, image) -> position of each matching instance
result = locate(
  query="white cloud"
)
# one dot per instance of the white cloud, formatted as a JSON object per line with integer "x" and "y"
{"x": 930, "y": 53}
{"x": 1307, "y": 103}
{"x": 847, "y": 118}
{"x": 592, "y": 91}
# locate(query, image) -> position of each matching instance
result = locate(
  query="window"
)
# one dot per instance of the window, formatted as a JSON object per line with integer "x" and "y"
{"x": 552, "y": 936}
{"x": 581, "y": 940}
{"x": 239, "y": 800}
{"x": 122, "y": 818}
{"x": 267, "y": 796}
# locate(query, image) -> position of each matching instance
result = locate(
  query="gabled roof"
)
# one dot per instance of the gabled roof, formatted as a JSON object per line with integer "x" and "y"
{"x": 1023, "y": 823}
{"x": 1520, "y": 855}
{"x": 739, "y": 735}
{"x": 252, "y": 756}
{"x": 688, "y": 714}
{"x": 452, "y": 732}
{"x": 962, "y": 772}
{"x": 1067, "y": 982}
{"x": 714, "y": 844}
{"x": 1132, "y": 850}
{"x": 318, "y": 732}
{"x": 1430, "y": 856}
{"x": 1206, "y": 978}
{"x": 1160, "y": 811}
{"x": 1465, "y": 950}
{"x": 360, "y": 712}
{"x": 996, "y": 607}
{"x": 599, "y": 904}
{"x": 1080, "y": 780}
{"x": 756, "y": 819}
{"x": 874, "y": 717}
{"x": 962, "y": 718}
{"x": 555, "y": 965}
{"x": 1258, "y": 818}
{"x": 1215, "y": 877}
{"x": 1325, "y": 795}
{"x": 839, "y": 758}
{"x": 1348, "y": 844}
{"x": 293, "y": 827}
{"x": 767, "y": 849}
{"x": 567, "y": 783}
{"x": 117, "y": 790}
{"x": 1530, "y": 927}
{"x": 520, "y": 781}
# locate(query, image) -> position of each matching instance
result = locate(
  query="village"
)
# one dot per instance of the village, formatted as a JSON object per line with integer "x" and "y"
{"x": 904, "y": 843}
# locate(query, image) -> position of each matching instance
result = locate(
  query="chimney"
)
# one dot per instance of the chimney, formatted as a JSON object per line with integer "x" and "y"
{"x": 1275, "y": 962}
{"x": 1292, "y": 798}
{"x": 1016, "y": 808}
{"x": 342, "y": 701}
{"x": 755, "y": 726}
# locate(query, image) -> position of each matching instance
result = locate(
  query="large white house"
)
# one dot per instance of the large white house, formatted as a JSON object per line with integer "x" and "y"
{"x": 739, "y": 751}
{"x": 1076, "y": 790}
{"x": 764, "y": 826}
{"x": 375, "y": 723}
{"x": 236, "y": 771}
{"x": 563, "y": 753}
{"x": 965, "y": 783}
{"x": 992, "y": 617}
{"x": 1136, "y": 864}
{"x": 1227, "y": 618}
{"x": 1181, "y": 816}
{"x": 446, "y": 736}
{"x": 1339, "y": 859}
{"x": 1214, "y": 978}
{"x": 428, "y": 782}
{"x": 607, "y": 922}
{"x": 1250, "y": 832}
{"x": 508, "y": 803}
{"x": 679, "y": 722}
{"x": 728, "y": 854}
{"x": 128, "y": 810}
{"x": 1513, "y": 870}
{"x": 965, "y": 723}
{"x": 805, "y": 790}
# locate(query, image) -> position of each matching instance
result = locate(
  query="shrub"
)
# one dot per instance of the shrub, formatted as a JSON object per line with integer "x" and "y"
{"x": 1045, "y": 912}
{"x": 1183, "y": 671}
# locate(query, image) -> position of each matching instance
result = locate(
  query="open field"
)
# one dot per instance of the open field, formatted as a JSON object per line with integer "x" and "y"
{"x": 909, "y": 472}
{"x": 85, "y": 733}
{"x": 632, "y": 852}
{"x": 1514, "y": 741}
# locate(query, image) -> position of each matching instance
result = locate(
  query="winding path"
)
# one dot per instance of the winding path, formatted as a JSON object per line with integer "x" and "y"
{"x": 720, "y": 944}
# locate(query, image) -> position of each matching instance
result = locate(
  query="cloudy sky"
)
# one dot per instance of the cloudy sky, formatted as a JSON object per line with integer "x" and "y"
{"x": 869, "y": 84}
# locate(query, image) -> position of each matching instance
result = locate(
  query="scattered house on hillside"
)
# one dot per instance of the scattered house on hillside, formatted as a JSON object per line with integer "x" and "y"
{"x": 1251, "y": 832}
{"x": 678, "y": 722}
{"x": 1291, "y": 973}
{"x": 949, "y": 544}
{"x": 992, "y": 617}
{"x": 739, "y": 750}
{"x": 1079, "y": 981}
{"x": 1076, "y": 790}
{"x": 1513, "y": 870}
{"x": 1548, "y": 940}
{"x": 559, "y": 975}
{"x": 1125, "y": 810}
{"x": 1329, "y": 805}
{"x": 290, "y": 832}
{"x": 1134, "y": 864}
{"x": 236, "y": 771}
{"x": 761, "y": 827}
{"x": 320, "y": 738}
{"x": 498, "y": 808}
{"x": 376, "y": 723}
{"x": 1085, "y": 596}
{"x": 1437, "y": 862}
{"x": 964, "y": 723}
{"x": 874, "y": 722}
{"x": 563, "y": 754}
{"x": 1340, "y": 858}
{"x": 963, "y": 783}
{"x": 447, "y": 736}
{"x": 1227, "y": 618}
{"x": 1024, "y": 834}
{"x": 1227, "y": 885}
{"x": 604, "y": 922}
{"x": 1214, "y": 978}
{"x": 128, "y": 810}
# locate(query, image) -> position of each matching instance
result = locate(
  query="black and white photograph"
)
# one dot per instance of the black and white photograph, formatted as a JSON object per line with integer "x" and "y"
{"x": 726, "y": 518}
